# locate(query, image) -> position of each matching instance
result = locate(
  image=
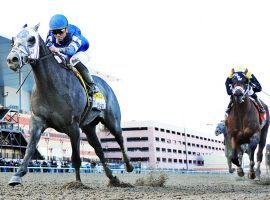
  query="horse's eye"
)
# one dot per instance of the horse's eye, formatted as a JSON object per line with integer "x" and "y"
{"x": 31, "y": 41}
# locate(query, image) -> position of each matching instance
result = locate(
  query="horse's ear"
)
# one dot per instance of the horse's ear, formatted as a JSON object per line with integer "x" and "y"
{"x": 24, "y": 26}
{"x": 36, "y": 27}
{"x": 233, "y": 71}
{"x": 246, "y": 71}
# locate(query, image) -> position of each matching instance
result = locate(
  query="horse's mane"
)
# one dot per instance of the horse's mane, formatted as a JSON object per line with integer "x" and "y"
{"x": 42, "y": 46}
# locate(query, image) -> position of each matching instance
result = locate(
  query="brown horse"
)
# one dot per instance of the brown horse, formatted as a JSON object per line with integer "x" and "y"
{"x": 244, "y": 125}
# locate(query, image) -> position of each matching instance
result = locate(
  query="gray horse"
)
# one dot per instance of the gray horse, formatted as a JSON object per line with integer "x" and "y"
{"x": 58, "y": 101}
{"x": 267, "y": 158}
{"x": 221, "y": 129}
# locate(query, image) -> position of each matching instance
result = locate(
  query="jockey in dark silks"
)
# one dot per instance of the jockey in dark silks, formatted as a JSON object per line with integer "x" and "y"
{"x": 255, "y": 86}
{"x": 67, "y": 39}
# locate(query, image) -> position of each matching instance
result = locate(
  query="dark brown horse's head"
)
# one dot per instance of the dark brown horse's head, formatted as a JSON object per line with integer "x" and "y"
{"x": 240, "y": 86}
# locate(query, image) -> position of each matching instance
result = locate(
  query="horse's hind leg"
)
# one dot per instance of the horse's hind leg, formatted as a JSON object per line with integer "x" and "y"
{"x": 37, "y": 126}
{"x": 92, "y": 138}
{"x": 116, "y": 130}
{"x": 260, "y": 150}
{"x": 74, "y": 134}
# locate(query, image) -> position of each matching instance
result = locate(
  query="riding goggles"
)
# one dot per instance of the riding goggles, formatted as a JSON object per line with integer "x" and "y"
{"x": 59, "y": 31}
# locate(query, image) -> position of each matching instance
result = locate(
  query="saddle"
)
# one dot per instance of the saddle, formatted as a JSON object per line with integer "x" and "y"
{"x": 262, "y": 116}
{"x": 94, "y": 100}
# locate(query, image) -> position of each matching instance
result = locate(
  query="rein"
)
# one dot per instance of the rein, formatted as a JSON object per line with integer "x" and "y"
{"x": 32, "y": 61}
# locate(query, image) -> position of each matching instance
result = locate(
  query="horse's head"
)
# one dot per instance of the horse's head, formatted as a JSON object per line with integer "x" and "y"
{"x": 240, "y": 86}
{"x": 25, "y": 48}
{"x": 221, "y": 128}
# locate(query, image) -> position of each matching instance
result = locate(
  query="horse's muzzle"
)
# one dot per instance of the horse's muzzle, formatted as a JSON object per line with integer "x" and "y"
{"x": 13, "y": 61}
{"x": 238, "y": 91}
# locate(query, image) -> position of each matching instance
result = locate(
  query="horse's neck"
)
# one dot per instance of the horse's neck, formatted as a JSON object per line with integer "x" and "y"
{"x": 44, "y": 69}
{"x": 243, "y": 107}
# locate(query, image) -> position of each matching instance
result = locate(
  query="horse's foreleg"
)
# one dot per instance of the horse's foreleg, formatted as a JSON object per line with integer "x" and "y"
{"x": 74, "y": 134}
{"x": 240, "y": 171}
{"x": 37, "y": 126}
{"x": 235, "y": 152}
{"x": 251, "y": 173}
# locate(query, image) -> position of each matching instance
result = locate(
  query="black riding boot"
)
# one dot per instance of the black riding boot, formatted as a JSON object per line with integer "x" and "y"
{"x": 258, "y": 101}
{"x": 87, "y": 77}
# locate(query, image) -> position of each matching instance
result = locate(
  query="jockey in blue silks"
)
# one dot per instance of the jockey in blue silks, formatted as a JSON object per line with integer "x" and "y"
{"x": 67, "y": 39}
{"x": 255, "y": 86}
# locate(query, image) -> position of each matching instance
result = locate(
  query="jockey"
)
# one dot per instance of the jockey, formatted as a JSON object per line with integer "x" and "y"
{"x": 67, "y": 39}
{"x": 255, "y": 86}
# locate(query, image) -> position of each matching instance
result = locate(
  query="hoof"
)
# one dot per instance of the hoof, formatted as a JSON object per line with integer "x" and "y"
{"x": 240, "y": 172}
{"x": 232, "y": 170}
{"x": 15, "y": 180}
{"x": 114, "y": 182}
{"x": 258, "y": 174}
{"x": 129, "y": 168}
{"x": 251, "y": 175}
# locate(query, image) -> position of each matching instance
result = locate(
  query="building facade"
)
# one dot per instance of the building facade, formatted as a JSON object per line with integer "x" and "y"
{"x": 158, "y": 145}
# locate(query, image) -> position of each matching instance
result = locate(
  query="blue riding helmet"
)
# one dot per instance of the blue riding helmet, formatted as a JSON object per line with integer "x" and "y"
{"x": 58, "y": 22}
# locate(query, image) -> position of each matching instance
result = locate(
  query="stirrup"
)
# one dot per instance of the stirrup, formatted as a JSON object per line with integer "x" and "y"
{"x": 94, "y": 88}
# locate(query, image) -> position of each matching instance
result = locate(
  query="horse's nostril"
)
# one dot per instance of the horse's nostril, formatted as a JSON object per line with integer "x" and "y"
{"x": 15, "y": 59}
{"x": 8, "y": 60}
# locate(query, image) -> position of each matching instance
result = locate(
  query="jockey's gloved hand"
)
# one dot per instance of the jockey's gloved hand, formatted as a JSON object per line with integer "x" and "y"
{"x": 54, "y": 49}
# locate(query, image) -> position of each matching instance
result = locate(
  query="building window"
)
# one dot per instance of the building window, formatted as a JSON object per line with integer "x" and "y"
{"x": 169, "y": 141}
{"x": 169, "y": 150}
{"x": 179, "y": 151}
{"x": 174, "y": 151}
{"x": 104, "y": 140}
{"x": 163, "y": 150}
{"x": 178, "y": 133}
{"x": 157, "y": 149}
{"x": 180, "y": 161}
{"x": 175, "y": 160}
{"x": 164, "y": 160}
{"x": 162, "y": 130}
{"x": 157, "y": 139}
{"x": 156, "y": 129}
{"x": 169, "y": 160}
{"x": 142, "y": 149}
{"x": 188, "y": 144}
{"x": 173, "y": 132}
{"x": 188, "y": 135}
{"x": 158, "y": 159}
{"x": 137, "y": 139}
{"x": 135, "y": 129}
{"x": 162, "y": 139}
{"x": 168, "y": 131}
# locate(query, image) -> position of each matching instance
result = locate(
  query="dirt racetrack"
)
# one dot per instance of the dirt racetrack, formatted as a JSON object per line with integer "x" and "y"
{"x": 178, "y": 186}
